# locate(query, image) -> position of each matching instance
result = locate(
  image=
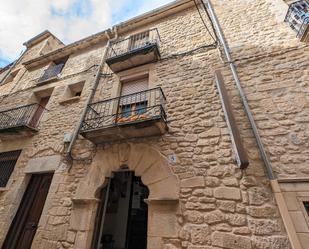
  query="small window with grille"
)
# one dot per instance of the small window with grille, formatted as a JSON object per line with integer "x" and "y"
{"x": 7, "y": 164}
{"x": 298, "y": 19}
{"x": 53, "y": 71}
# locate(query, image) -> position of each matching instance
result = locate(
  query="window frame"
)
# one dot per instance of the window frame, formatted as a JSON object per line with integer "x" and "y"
{"x": 131, "y": 109}
{"x": 301, "y": 200}
{"x": 6, "y": 158}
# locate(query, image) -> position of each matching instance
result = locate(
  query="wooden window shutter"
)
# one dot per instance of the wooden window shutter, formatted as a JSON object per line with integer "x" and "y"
{"x": 132, "y": 87}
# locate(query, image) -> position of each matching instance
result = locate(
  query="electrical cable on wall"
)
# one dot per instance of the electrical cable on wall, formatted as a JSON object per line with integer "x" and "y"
{"x": 209, "y": 18}
{"x": 3, "y": 97}
{"x": 205, "y": 25}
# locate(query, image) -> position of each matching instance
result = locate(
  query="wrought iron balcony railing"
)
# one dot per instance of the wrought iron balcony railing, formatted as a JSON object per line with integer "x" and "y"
{"x": 129, "y": 109}
{"x": 28, "y": 115}
{"x": 51, "y": 72}
{"x": 298, "y": 18}
{"x": 135, "y": 42}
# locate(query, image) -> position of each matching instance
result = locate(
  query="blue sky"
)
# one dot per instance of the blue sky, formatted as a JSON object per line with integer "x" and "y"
{"x": 69, "y": 20}
{"x": 4, "y": 62}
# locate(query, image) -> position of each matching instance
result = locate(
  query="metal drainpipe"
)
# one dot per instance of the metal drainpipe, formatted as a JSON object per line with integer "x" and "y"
{"x": 222, "y": 40}
{"x": 90, "y": 97}
{"x": 10, "y": 69}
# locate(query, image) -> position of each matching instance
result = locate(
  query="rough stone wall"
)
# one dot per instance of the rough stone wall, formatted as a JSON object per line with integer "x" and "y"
{"x": 273, "y": 68}
{"x": 23, "y": 75}
{"x": 220, "y": 206}
{"x": 60, "y": 118}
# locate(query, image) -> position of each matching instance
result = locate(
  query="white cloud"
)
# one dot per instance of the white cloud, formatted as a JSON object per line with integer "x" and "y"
{"x": 23, "y": 19}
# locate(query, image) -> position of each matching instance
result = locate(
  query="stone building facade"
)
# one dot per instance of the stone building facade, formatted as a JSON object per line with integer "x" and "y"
{"x": 83, "y": 139}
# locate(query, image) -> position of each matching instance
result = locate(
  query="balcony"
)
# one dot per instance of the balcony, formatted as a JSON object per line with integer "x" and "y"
{"x": 134, "y": 51}
{"x": 21, "y": 121}
{"x": 135, "y": 115}
{"x": 298, "y": 19}
{"x": 51, "y": 73}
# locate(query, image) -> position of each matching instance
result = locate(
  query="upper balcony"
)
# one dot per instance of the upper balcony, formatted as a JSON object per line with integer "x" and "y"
{"x": 134, "y": 51}
{"x": 298, "y": 19}
{"x": 135, "y": 115}
{"x": 20, "y": 121}
{"x": 51, "y": 73}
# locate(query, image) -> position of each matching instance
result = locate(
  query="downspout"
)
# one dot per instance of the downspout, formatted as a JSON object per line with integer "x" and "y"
{"x": 91, "y": 95}
{"x": 268, "y": 167}
{"x": 11, "y": 68}
{"x": 287, "y": 220}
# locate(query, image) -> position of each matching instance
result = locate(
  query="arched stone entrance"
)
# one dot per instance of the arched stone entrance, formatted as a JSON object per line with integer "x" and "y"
{"x": 152, "y": 167}
{"x": 122, "y": 215}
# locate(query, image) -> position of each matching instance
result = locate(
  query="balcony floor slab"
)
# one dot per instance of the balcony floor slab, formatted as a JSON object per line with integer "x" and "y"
{"x": 125, "y": 131}
{"x": 17, "y": 132}
{"x": 134, "y": 58}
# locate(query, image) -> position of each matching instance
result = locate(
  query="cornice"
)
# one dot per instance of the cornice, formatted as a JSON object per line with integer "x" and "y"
{"x": 103, "y": 36}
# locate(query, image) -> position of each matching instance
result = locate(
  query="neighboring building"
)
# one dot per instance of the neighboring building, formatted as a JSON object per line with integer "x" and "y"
{"x": 126, "y": 139}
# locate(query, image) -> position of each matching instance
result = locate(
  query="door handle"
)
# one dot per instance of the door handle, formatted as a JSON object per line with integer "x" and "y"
{"x": 34, "y": 226}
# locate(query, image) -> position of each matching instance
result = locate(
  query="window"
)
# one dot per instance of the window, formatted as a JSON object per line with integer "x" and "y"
{"x": 306, "y": 205}
{"x": 133, "y": 103}
{"x": 77, "y": 94}
{"x": 298, "y": 19}
{"x": 53, "y": 70}
{"x": 72, "y": 92}
{"x": 7, "y": 164}
{"x": 11, "y": 76}
{"x": 60, "y": 62}
{"x": 39, "y": 112}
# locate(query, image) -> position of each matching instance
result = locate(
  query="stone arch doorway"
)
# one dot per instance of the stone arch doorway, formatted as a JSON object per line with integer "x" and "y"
{"x": 122, "y": 215}
{"x": 155, "y": 173}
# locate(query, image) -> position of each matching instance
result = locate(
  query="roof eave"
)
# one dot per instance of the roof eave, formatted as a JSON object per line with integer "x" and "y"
{"x": 40, "y": 37}
{"x": 122, "y": 27}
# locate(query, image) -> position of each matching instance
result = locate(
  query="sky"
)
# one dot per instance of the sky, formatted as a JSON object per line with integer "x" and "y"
{"x": 69, "y": 20}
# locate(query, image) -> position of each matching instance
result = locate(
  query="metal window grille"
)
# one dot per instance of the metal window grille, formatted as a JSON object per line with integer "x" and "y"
{"x": 51, "y": 72}
{"x": 7, "y": 164}
{"x": 298, "y": 17}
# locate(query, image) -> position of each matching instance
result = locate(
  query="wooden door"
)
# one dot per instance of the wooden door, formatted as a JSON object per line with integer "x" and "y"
{"x": 38, "y": 112}
{"x": 25, "y": 222}
{"x": 138, "y": 216}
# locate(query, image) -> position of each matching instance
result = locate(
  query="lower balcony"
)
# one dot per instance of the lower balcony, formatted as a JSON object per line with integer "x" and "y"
{"x": 135, "y": 115}
{"x": 20, "y": 121}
